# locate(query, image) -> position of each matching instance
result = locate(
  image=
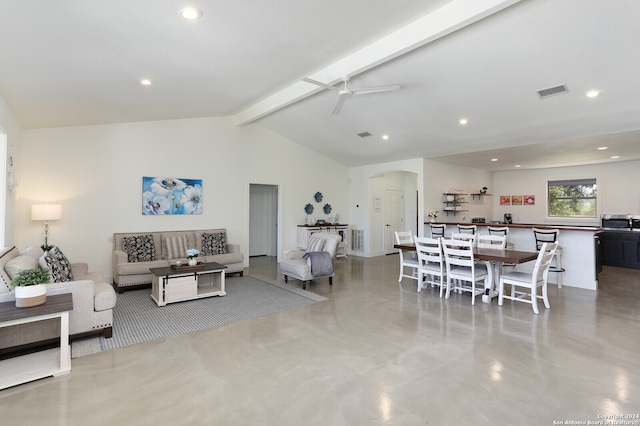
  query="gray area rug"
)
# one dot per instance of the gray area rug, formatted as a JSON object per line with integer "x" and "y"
{"x": 138, "y": 319}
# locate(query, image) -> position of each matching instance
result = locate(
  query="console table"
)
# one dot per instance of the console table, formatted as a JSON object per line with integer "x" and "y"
{"x": 305, "y": 231}
{"x": 176, "y": 284}
{"x": 37, "y": 365}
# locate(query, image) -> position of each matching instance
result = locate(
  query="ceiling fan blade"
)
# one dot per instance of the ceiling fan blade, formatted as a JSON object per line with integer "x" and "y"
{"x": 377, "y": 89}
{"x": 318, "y": 83}
{"x": 339, "y": 104}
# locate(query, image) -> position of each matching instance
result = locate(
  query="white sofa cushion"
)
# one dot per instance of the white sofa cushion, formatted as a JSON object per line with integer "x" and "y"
{"x": 20, "y": 263}
{"x": 315, "y": 244}
{"x": 174, "y": 247}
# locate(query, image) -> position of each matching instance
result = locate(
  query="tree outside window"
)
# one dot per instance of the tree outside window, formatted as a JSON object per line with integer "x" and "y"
{"x": 572, "y": 198}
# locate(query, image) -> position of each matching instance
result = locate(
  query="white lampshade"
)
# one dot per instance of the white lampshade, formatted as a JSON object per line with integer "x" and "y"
{"x": 46, "y": 212}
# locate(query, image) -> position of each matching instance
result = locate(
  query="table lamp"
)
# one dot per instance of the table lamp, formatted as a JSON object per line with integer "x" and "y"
{"x": 46, "y": 212}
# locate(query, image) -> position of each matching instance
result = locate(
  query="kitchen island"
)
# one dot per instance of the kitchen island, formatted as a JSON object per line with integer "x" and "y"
{"x": 578, "y": 249}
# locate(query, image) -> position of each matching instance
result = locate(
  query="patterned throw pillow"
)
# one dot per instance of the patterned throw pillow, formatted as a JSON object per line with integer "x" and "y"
{"x": 175, "y": 247}
{"x": 315, "y": 244}
{"x": 58, "y": 264}
{"x": 213, "y": 243}
{"x": 140, "y": 248}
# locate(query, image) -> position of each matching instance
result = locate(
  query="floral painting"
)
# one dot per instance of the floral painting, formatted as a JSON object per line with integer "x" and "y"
{"x": 529, "y": 200}
{"x": 516, "y": 200}
{"x": 167, "y": 195}
{"x": 505, "y": 200}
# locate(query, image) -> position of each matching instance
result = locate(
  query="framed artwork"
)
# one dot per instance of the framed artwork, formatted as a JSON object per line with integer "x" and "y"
{"x": 516, "y": 200}
{"x": 505, "y": 200}
{"x": 167, "y": 195}
{"x": 529, "y": 200}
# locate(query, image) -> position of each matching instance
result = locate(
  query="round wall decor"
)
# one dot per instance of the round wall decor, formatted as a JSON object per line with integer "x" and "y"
{"x": 308, "y": 208}
{"x": 318, "y": 196}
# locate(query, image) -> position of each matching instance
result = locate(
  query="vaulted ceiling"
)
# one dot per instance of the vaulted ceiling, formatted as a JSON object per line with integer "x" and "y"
{"x": 76, "y": 62}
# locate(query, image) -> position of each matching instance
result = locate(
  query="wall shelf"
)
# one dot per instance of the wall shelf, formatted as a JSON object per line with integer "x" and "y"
{"x": 453, "y": 202}
{"x": 473, "y": 196}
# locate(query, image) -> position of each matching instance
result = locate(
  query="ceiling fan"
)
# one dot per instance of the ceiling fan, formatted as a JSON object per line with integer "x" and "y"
{"x": 346, "y": 92}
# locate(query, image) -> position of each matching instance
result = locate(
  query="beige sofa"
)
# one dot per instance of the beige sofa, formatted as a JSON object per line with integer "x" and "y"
{"x": 129, "y": 274}
{"x": 93, "y": 303}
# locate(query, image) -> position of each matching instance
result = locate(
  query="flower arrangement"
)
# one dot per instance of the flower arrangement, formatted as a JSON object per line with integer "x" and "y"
{"x": 191, "y": 253}
{"x": 433, "y": 213}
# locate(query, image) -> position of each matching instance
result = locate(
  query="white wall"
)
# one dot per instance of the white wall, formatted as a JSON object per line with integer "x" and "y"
{"x": 96, "y": 172}
{"x": 617, "y": 191}
{"x": 440, "y": 177}
{"x": 367, "y": 182}
{"x": 10, "y": 127}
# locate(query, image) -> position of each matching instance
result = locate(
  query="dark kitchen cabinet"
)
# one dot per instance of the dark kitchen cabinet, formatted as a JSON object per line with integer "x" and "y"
{"x": 621, "y": 248}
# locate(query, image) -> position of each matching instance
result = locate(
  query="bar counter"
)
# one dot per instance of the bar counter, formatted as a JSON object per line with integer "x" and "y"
{"x": 578, "y": 248}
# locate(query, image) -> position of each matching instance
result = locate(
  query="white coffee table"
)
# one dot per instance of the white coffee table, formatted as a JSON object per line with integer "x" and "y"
{"x": 176, "y": 284}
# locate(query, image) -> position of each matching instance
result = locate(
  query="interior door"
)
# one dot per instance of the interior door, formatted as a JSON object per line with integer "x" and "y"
{"x": 393, "y": 217}
{"x": 263, "y": 207}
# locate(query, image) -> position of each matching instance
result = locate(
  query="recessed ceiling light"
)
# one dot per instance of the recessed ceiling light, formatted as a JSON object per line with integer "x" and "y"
{"x": 615, "y": 156}
{"x": 191, "y": 13}
{"x": 592, "y": 93}
{"x": 494, "y": 159}
{"x": 146, "y": 82}
{"x": 517, "y": 165}
{"x": 385, "y": 137}
{"x": 463, "y": 121}
{"x": 602, "y": 148}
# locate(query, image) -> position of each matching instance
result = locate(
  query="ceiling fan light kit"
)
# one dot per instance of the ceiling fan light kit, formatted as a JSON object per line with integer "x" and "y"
{"x": 346, "y": 92}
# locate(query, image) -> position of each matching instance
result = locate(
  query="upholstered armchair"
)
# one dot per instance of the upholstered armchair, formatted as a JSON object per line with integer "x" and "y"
{"x": 305, "y": 265}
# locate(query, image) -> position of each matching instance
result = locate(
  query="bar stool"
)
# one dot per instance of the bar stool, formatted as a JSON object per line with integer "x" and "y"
{"x": 500, "y": 231}
{"x": 550, "y": 236}
{"x": 467, "y": 229}
{"x": 437, "y": 230}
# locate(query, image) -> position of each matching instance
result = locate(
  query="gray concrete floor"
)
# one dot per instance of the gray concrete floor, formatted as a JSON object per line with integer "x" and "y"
{"x": 377, "y": 352}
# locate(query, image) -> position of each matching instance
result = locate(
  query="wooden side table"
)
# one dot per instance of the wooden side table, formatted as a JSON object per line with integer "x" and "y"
{"x": 37, "y": 365}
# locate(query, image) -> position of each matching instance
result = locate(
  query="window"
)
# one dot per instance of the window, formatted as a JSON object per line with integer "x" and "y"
{"x": 572, "y": 198}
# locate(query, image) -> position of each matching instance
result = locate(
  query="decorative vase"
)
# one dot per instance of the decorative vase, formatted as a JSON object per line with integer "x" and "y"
{"x": 433, "y": 220}
{"x": 30, "y": 295}
{"x": 193, "y": 261}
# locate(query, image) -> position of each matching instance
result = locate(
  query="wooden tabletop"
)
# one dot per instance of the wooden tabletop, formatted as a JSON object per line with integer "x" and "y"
{"x": 498, "y": 255}
{"x": 186, "y": 269}
{"x": 55, "y": 303}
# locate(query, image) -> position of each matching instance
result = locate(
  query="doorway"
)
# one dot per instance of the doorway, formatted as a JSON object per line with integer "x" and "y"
{"x": 393, "y": 217}
{"x": 263, "y": 220}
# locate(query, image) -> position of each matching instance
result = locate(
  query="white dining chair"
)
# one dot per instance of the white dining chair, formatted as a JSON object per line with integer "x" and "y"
{"x": 431, "y": 264}
{"x": 461, "y": 266}
{"x": 408, "y": 258}
{"x": 532, "y": 281}
{"x": 464, "y": 237}
{"x": 491, "y": 241}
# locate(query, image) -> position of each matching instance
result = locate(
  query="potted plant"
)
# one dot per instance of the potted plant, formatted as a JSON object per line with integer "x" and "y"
{"x": 29, "y": 287}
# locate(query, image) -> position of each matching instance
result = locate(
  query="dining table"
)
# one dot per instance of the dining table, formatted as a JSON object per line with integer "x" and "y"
{"x": 498, "y": 256}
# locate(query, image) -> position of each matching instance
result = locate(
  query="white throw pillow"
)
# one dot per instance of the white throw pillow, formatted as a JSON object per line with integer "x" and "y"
{"x": 20, "y": 263}
{"x": 34, "y": 251}
{"x": 175, "y": 247}
{"x": 315, "y": 244}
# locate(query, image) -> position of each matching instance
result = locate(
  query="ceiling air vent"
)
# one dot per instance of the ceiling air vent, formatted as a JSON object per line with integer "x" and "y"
{"x": 364, "y": 134}
{"x": 552, "y": 91}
